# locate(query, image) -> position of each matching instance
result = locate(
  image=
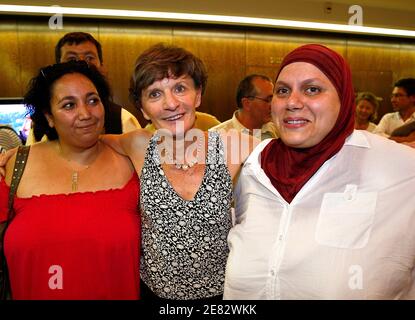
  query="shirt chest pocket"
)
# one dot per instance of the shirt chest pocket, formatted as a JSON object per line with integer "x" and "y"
{"x": 346, "y": 219}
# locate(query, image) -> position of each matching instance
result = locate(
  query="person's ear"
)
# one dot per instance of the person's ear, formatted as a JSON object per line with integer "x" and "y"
{"x": 198, "y": 98}
{"x": 146, "y": 116}
{"x": 50, "y": 120}
{"x": 103, "y": 70}
{"x": 412, "y": 98}
{"x": 246, "y": 103}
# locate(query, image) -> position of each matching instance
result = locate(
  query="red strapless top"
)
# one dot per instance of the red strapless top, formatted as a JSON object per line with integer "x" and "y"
{"x": 77, "y": 246}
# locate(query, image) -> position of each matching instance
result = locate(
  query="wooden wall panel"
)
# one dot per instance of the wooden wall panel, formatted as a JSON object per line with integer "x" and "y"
{"x": 267, "y": 71}
{"x": 378, "y": 82}
{"x": 122, "y": 43}
{"x": 406, "y": 62}
{"x": 9, "y": 59}
{"x": 223, "y": 53}
{"x": 376, "y": 65}
{"x": 371, "y": 55}
{"x": 37, "y": 44}
{"x": 267, "y": 49}
{"x": 229, "y": 54}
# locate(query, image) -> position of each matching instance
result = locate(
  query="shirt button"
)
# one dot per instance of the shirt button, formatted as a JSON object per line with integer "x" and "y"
{"x": 272, "y": 273}
{"x": 280, "y": 237}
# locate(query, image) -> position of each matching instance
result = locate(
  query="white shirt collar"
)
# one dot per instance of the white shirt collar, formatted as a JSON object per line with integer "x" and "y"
{"x": 358, "y": 138}
{"x": 237, "y": 124}
{"x": 267, "y": 127}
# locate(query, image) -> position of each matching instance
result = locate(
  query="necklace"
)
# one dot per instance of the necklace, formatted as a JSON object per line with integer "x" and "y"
{"x": 185, "y": 166}
{"x": 75, "y": 172}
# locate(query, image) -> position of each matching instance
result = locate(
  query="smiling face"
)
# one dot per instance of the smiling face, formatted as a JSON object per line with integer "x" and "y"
{"x": 77, "y": 113}
{"x": 305, "y": 105}
{"x": 364, "y": 110}
{"x": 171, "y": 103}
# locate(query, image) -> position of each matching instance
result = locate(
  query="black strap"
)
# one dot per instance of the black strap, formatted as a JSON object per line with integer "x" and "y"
{"x": 19, "y": 165}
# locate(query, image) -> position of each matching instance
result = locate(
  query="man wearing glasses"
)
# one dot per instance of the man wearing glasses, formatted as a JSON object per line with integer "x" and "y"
{"x": 253, "y": 116}
{"x": 403, "y": 103}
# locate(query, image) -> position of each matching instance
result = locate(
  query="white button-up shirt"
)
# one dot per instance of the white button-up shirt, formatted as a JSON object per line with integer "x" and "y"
{"x": 348, "y": 234}
{"x": 268, "y": 130}
{"x": 390, "y": 122}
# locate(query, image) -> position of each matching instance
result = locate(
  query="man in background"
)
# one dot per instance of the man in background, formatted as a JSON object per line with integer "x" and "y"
{"x": 253, "y": 98}
{"x": 83, "y": 46}
{"x": 403, "y": 103}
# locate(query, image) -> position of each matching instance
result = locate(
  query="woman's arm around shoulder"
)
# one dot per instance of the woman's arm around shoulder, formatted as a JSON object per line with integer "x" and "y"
{"x": 132, "y": 144}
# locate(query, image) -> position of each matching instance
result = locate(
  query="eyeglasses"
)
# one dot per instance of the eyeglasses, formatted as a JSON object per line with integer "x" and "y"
{"x": 267, "y": 100}
{"x": 398, "y": 95}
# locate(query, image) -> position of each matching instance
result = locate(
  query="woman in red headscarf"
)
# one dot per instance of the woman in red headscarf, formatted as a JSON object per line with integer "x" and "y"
{"x": 324, "y": 212}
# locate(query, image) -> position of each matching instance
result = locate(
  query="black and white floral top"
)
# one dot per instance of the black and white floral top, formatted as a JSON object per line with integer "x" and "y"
{"x": 184, "y": 243}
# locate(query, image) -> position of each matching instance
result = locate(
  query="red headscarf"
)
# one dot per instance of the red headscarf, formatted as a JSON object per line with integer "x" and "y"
{"x": 290, "y": 168}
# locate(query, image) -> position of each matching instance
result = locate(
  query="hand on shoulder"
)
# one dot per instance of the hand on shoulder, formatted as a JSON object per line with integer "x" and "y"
{"x": 139, "y": 137}
{"x": 128, "y": 144}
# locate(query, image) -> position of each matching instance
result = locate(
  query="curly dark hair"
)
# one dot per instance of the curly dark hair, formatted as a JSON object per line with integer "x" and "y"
{"x": 37, "y": 98}
{"x": 161, "y": 61}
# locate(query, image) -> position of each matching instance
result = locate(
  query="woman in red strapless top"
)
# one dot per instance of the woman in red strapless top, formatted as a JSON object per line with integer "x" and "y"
{"x": 76, "y": 232}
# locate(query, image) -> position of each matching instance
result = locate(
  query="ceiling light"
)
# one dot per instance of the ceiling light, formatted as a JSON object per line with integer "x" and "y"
{"x": 205, "y": 18}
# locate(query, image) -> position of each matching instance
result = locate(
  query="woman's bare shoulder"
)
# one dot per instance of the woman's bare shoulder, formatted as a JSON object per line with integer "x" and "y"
{"x": 238, "y": 146}
{"x": 35, "y": 150}
{"x": 138, "y": 139}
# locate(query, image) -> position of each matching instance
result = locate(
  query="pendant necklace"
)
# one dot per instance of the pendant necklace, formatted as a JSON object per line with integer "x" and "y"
{"x": 75, "y": 172}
